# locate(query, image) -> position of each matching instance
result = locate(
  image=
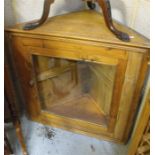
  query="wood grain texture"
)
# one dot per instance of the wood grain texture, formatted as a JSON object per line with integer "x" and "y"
{"x": 102, "y": 85}
{"x": 143, "y": 70}
{"x": 121, "y": 68}
{"x": 131, "y": 76}
{"x": 78, "y": 25}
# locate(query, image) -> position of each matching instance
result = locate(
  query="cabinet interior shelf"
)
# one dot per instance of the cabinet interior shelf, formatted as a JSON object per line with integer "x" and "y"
{"x": 75, "y": 89}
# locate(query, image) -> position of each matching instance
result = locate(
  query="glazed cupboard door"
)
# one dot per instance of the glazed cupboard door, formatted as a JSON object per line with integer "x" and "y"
{"x": 70, "y": 86}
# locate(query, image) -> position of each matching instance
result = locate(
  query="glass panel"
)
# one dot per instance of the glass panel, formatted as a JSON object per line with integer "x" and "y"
{"x": 75, "y": 89}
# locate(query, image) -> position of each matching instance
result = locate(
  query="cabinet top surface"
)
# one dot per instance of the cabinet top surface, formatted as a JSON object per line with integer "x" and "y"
{"x": 83, "y": 25}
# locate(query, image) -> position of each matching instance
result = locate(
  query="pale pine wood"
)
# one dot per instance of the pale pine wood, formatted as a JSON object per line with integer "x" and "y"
{"x": 24, "y": 65}
{"x": 54, "y": 72}
{"x": 82, "y": 108}
{"x": 75, "y": 103}
{"x": 140, "y": 83}
{"x": 89, "y": 41}
{"x": 81, "y": 55}
{"x": 78, "y": 25}
{"x": 45, "y": 88}
{"x": 102, "y": 85}
{"x": 98, "y": 59}
{"x": 131, "y": 76}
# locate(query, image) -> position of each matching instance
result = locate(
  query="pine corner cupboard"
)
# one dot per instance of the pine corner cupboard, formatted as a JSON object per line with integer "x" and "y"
{"x": 76, "y": 75}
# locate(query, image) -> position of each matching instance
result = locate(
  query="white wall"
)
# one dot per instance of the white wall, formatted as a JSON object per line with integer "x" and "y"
{"x": 137, "y": 13}
{"x": 26, "y": 10}
{"x": 133, "y": 13}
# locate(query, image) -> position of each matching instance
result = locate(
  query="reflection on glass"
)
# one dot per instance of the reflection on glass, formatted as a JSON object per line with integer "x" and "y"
{"x": 75, "y": 89}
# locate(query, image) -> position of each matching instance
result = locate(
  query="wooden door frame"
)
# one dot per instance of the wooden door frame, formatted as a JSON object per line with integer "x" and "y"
{"x": 118, "y": 84}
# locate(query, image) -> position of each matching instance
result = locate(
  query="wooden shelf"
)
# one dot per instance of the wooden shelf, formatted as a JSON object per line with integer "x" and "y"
{"x": 82, "y": 107}
{"x": 75, "y": 89}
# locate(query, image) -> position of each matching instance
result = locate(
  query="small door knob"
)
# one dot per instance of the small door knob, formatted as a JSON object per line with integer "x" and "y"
{"x": 31, "y": 83}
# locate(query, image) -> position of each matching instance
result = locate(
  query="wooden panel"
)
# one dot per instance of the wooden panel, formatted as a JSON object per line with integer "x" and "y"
{"x": 117, "y": 92}
{"x": 125, "y": 82}
{"x": 71, "y": 99}
{"x": 26, "y": 58}
{"x": 72, "y": 55}
{"x": 32, "y": 42}
{"x": 137, "y": 92}
{"x": 84, "y": 46}
{"x": 117, "y": 47}
{"x": 102, "y": 85}
{"x": 78, "y": 97}
{"x": 98, "y": 58}
{"x": 24, "y": 68}
{"x": 41, "y": 63}
{"x": 82, "y": 108}
{"x": 78, "y": 25}
{"x": 125, "y": 109}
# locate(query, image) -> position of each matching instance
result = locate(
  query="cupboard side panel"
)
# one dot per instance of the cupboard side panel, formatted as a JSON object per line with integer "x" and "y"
{"x": 140, "y": 83}
{"x": 24, "y": 69}
{"x": 125, "y": 109}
